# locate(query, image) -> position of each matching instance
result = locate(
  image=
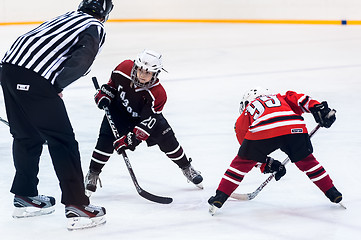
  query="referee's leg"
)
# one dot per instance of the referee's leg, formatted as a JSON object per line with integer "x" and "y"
{"x": 45, "y": 110}
{"x": 54, "y": 124}
{"x": 27, "y": 147}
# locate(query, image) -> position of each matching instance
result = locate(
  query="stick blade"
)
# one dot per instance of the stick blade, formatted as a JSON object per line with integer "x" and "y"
{"x": 241, "y": 196}
{"x": 154, "y": 198}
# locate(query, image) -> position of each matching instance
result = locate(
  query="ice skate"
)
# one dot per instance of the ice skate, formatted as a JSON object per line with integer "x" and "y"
{"x": 217, "y": 201}
{"x": 33, "y": 206}
{"x": 192, "y": 175}
{"x": 335, "y": 196}
{"x": 90, "y": 182}
{"x": 84, "y": 216}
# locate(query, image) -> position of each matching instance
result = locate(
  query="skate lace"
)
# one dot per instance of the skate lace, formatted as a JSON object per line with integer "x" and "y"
{"x": 42, "y": 198}
{"x": 93, "y": 178}
{"x": 94, "y": 207}
{"x": 190, "y": 173}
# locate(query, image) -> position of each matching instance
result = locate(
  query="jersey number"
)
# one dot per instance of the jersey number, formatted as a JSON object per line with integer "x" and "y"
{"x": 256, "y": 108}
{"x": 149, "y": 122}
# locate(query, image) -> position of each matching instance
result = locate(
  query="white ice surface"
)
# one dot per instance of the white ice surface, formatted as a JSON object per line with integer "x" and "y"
{"x": 210, "y": 66}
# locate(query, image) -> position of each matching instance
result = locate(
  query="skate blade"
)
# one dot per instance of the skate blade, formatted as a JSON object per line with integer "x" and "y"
{"x": 342, "y": 205}
{"x": 78, "y": 223}
{"x": 88, "y": 193}
{"x": 212, "y": 209}
{"x": 199, "y": 185}
{"x": 25, "y": 212}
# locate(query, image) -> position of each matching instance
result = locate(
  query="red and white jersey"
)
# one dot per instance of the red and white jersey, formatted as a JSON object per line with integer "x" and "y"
{"x": 273, "y": 115}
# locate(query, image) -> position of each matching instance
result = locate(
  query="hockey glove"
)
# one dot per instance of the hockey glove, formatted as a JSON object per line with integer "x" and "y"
{"x": 104, "y": 96}
{"x": 273, "y": 165}
{"x": 128, "y": 141}
{"x": 140, "y": 133}
{"x": 323, "y": 114}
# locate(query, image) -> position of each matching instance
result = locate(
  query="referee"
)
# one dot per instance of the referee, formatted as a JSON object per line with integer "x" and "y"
{"x": 35, "y": 70}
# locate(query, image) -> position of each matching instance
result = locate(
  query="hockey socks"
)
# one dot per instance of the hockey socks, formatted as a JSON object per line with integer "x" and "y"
{"x": 315, "y": 172}
{"x": 235, "y": 174}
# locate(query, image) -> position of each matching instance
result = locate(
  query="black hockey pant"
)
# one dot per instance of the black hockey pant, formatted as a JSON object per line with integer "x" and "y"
{"x": 162, "y": 135}
{"x": 296, "y": 146}
{"x": 36, "y": 113}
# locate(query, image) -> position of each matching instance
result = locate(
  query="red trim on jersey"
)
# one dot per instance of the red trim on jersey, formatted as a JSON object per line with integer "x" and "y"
{"x": 159, "y": 96}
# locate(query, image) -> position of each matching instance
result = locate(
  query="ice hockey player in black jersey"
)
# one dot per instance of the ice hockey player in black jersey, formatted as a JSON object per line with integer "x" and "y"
{"x": 135, "y": 98}
{"x": 35, "y": 70}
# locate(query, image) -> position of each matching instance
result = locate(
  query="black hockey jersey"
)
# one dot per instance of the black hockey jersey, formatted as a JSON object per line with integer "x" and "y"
{"x": 143, "y": 103}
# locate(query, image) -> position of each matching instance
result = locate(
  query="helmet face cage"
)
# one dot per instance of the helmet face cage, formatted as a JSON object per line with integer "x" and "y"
{"x": 149, "y": 61}
{"x": 135, "y": 80}
{"x": 251, "y": 95}
{"x": 242, "y": 106}
{"x": 97, "y": 8}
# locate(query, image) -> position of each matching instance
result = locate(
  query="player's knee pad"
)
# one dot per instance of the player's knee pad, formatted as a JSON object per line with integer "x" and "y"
{"x": 162, "y": 135}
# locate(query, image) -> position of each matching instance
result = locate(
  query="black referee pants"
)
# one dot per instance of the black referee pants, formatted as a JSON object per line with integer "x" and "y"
{"x": 36, "y": 113}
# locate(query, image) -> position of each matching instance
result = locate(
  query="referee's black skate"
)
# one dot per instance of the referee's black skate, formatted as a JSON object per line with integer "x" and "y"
{"x": 33, "y": 206}
{"x": 193, "y": 175}
{"x": 84, "y": 216}
{"x": 91, "y": 181}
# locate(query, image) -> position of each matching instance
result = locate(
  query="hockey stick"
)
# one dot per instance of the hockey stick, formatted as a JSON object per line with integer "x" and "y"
{"x": 4, "y": 121}
{"x": 141, "y": 192}
{"x": 250, "y": 196}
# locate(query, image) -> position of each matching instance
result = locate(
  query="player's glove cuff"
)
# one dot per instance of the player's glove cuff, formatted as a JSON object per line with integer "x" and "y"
{"x": 140, "y": 133}
{"x": 273, "y": 165}
{"x": 104, "y": 96}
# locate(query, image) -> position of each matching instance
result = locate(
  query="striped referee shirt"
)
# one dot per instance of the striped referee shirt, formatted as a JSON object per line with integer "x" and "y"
{"x": 46, "y": 48}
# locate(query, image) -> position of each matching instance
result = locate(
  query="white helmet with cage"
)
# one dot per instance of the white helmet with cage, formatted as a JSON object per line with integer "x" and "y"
{"x": 150, "y": 61}
{"x": 251, "y": 95}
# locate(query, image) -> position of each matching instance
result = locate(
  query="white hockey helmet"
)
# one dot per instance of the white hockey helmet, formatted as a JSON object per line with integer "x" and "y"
{"x": 150, "y": 61}
{"x": 251, "y": 95}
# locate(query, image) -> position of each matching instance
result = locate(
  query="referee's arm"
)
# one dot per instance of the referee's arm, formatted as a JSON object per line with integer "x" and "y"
{"x": 81, "y": 58}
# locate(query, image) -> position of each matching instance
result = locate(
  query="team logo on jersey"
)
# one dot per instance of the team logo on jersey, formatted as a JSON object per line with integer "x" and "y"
{"x": 126, "y": 104}
{"x": 296, "y": 130}
{"x": 167, "y": 130}
{"x": 22, "y": 87}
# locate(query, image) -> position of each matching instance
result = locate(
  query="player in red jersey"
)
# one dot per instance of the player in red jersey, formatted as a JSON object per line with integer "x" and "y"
{"x": 136, "y": 98}
{"x": 273, "y": 121}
